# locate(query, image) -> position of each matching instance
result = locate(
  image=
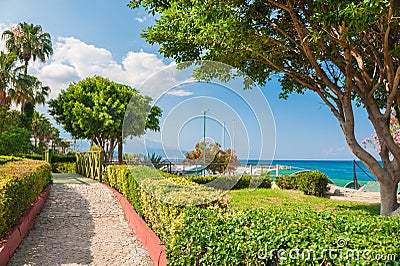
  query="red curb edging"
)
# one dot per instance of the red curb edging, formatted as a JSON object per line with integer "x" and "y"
{"x": 10, "y": 243}
{"x": 149, "y": 239}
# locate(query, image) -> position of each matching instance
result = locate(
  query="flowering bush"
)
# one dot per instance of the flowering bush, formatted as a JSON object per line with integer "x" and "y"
{"x": 217, "y": 160}
{"x": 394, "y": 131}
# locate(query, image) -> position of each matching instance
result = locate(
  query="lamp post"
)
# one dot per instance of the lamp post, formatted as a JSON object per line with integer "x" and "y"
{"x": 223, "y": 135}
{"x": 204, "y": 140}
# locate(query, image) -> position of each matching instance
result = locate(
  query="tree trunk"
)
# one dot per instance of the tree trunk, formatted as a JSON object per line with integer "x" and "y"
{"x": 112, "y": 145}
{"x": 120, "y": 150}
{"x": 389, "y": 202}
{"x": 22, "y": 106}
{"x": 26, "y": 62}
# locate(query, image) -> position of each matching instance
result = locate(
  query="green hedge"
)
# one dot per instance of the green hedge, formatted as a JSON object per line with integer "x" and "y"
{"x": 161, "y": 201}
{"x": 63, "y": 158}
{"x": 63, "y": 167}
{"x": 232, "y": 182}
{"x": 311, "y": 183}
{"x": 55, "y": 157}
{"x": 21, "y": 182}
{"x": 250, "y": 238}
{"x": 226, "y": 182}
{"x": 5, "y": 159}
{"x": 34, "y": 156}
{"x": 212, "y": 234}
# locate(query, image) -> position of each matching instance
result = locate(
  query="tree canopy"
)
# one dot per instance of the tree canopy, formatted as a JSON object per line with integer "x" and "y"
{"x": 95, "y": 108}
{"x": 341, "y": 50}
{"x": 8, "y": 74}
{"x": 28, "y": 42}
{"x": 15, "y": 141}
{"x": 23, "y": 43}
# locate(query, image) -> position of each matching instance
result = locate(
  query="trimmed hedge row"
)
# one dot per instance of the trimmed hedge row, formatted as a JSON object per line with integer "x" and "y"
{"x": 160, "y": 201}
{"x": 55, "y": 157}
{"x": 284, "y": 236}
{"x": 63, "y": 158}
{"x": 34, "y": 156}
{"x": 5, "y": 159}
{"x": 226, "y": 182}
{"x": 21, "y": 182}
{"x": 212, "y": 234}
{"x": 63, "y": 167}
{"x": 232, "y": 182}
{"x": 311, "y": 183}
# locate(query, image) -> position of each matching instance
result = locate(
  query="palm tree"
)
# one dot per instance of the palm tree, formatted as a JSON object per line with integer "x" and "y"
{"x": 53, "y": 136}
{"x": 28, "y": 89}
{"x": 28, "y": 42}
{"x": 8, "y": 73}
{"x": 38, "y": 122}
{"x": 63, "y": 145}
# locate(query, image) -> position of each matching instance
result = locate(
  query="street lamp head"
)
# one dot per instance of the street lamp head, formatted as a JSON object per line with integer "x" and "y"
{"x": 205, "y": 111}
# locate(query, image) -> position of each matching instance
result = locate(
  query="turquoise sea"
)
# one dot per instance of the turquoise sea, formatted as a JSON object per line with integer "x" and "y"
{"x": 340, "y": 172}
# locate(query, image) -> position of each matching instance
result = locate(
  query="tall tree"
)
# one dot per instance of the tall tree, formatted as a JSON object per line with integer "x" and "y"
{"x": 95, "y": 108}
{"x": 8, "y": 74}
{"x": 28, "y": 89}
{"x": 40, "y": 126}
{"x": 28, "y": 42}
{"x": 63, "y": 145}
{"x": 9, "y": 118}
{"x": 341, "y": 50}
{"x": 15, "y": 141}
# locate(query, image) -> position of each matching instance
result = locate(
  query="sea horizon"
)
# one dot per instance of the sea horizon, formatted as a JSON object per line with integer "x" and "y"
{"x": 339, "y": 171}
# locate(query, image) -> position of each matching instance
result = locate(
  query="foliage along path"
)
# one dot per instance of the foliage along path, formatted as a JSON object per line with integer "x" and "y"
{"x": 82, "y": 223}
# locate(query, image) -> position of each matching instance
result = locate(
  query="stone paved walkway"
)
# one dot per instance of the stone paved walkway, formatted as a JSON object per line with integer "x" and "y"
{"x": 82, "y": 223}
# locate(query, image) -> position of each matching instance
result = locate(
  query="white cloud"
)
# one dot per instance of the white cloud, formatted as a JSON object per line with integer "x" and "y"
{"x": 142, "y": 19}
{"x": 335, "y": 151}
{"x": 180, "y": 93}
{"x": 74, "y": 60}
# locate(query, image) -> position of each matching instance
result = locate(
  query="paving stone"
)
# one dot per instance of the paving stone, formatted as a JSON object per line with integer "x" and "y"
{"x": 81, "y": 224}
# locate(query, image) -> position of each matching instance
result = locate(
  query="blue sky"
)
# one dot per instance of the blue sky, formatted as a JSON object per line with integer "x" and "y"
{"x": 102, "y": 37}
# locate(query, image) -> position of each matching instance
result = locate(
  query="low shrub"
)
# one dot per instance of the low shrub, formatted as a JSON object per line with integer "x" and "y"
{"x": 34, "y": 156}
{"x": 212, "y": 234}
{"x": 286, "y": 182}
{"x": 55, "y": 157}
{"x": 166, "y": 174}
{"x": 299, "y": 235}
{"x": 121, "y": 179}
{"x": 63, "y": 167}
{"x": 21, "y": 182}
{"x": 227, "y": 182}
{"x": 63, "y": 158}
{"x": 311, "y": 183}
{"x": 5, "y": 159}
{"x": 161, "y": 201}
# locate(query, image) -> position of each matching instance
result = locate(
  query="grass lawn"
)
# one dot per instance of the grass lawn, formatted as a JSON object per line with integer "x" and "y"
{"x": 249, "y": 199}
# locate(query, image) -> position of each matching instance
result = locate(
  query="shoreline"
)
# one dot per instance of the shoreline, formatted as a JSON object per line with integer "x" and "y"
{"x": 341, "y": 193}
